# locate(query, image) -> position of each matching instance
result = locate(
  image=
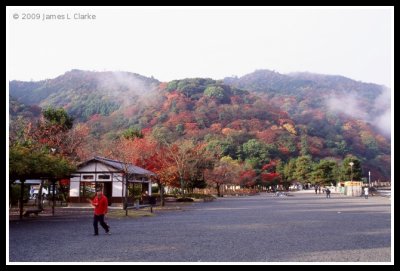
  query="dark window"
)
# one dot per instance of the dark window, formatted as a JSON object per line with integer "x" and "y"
{"x": 88, "y": 177}
{"x": 104, "y": 177}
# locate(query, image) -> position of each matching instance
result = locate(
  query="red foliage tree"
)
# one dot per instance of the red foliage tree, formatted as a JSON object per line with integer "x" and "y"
{"x": 248, "y": 177}
{"x": 269, "y": 176}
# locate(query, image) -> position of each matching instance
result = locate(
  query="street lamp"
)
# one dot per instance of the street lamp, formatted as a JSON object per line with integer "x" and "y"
{"x": 53, "y": 183}
{"x": 351, "y": 168}
{"x": 351, "y": 177}
{"x": 369, "y": 178}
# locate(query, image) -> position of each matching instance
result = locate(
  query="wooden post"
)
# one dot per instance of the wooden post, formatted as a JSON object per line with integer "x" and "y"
{"x": 126, "y": 194}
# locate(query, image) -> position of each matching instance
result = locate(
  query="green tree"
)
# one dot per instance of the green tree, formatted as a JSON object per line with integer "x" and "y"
{"x": 46, "y": 151}
{"x": 223, "y": 146}
{"x": 342, "y": 148}
{"x": 289, "y": 169}
{"x": 59, "y": 117}
{"x": 304, "y": 145}
{"x": 255, "y": 152}
{"x": 163, "y": 135}
{"x": 132, "y": 133}
{"x": 351, "y": 173}
{"x": 303, "y": 169}
{"x": 173, "y": 85}
{"x": 280, "y": 168}
{"x": 25, "y": 162}
{"x": 324, "y": 172}
{"x": 371, "y": 145}
{"x": 215, "y": 92}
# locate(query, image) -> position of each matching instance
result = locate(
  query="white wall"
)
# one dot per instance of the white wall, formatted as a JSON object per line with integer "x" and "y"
{"x": 117, "y": 186}
{"x": 74, "y": 187}
{"x": 91, "y": 167}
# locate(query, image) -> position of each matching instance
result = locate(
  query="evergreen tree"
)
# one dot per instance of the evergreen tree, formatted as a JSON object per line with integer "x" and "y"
{"x": 303, "y": 169}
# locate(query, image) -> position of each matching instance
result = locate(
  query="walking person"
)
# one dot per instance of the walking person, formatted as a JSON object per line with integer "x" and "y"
{"x": 100, "y": 204}
{"x": 328, "y": 193}
{"x": 366, "y": 192}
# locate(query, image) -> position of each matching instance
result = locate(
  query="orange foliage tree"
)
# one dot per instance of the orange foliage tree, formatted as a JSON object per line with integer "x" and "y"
{"x": 225, "y": 171}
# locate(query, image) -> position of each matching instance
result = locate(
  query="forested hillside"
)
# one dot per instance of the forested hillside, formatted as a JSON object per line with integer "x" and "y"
{"x": 266, "y": 123}
{"x": 337, "y": 114}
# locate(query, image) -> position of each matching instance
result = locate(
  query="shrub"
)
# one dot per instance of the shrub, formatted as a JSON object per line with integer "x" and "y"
{"x": 154, "y": 189}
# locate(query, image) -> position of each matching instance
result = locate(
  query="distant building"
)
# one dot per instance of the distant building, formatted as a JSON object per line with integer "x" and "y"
{"x": 109, "y": 174}
{"x": 30, "y": 181}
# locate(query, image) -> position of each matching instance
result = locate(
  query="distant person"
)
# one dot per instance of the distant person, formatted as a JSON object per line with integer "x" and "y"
{"x": 316, "y": 189}
{"x": 31, "y": 192}
{"x": 145, "y": 197}
{"x": 100, "y": 204}
{"x": 366, "y": 192}
{"x": 319, "y": 189}
{"x": 328, "y": 192}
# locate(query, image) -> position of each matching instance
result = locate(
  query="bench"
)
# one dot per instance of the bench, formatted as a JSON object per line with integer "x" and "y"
{"x": 32, "y": 211}
{"x": 137, "y": 207}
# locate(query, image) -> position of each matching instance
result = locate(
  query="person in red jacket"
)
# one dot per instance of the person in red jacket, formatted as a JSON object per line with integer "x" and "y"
{"x": 100, "y": 204}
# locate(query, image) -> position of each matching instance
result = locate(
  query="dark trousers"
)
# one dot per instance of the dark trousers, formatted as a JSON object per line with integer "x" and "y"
{"x": 96, "y": 220}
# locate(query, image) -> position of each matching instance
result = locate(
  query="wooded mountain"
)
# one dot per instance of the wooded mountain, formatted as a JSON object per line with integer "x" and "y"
{"x": 84, "y": 93}
{"x": 301, "y": 83}
{"x": 313, "y": 88}
{"x": 285, "y": 115}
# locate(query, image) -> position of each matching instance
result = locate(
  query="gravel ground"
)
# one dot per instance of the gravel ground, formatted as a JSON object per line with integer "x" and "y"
{"x": 303, "y": 227}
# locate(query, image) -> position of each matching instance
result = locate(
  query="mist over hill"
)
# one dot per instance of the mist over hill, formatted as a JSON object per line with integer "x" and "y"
{"x": 85, "y": 93}
{"x": 321, "y": 115}
{"x": 329, "y": 93}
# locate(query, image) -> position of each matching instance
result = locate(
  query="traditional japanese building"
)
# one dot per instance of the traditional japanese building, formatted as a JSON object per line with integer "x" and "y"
{"x": 111, "y": 175}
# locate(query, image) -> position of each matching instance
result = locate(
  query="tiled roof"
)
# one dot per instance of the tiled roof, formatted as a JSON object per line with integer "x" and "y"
{"x": 132, "y": 169}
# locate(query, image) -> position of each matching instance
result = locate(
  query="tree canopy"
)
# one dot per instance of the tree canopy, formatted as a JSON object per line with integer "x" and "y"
{"x": 26, "y": 163}
{"x": 58, "y": 116}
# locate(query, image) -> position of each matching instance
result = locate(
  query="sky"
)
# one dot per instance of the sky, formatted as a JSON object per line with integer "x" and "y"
{"x": 180, "y": 42}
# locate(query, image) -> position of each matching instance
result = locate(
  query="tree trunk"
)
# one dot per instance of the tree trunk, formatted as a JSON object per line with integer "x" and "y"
{"x": 21, "y": 199}
{"x": 218, "y": 191}
{"x": 182, "y": 186}
{"x": 126, "y": 196}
